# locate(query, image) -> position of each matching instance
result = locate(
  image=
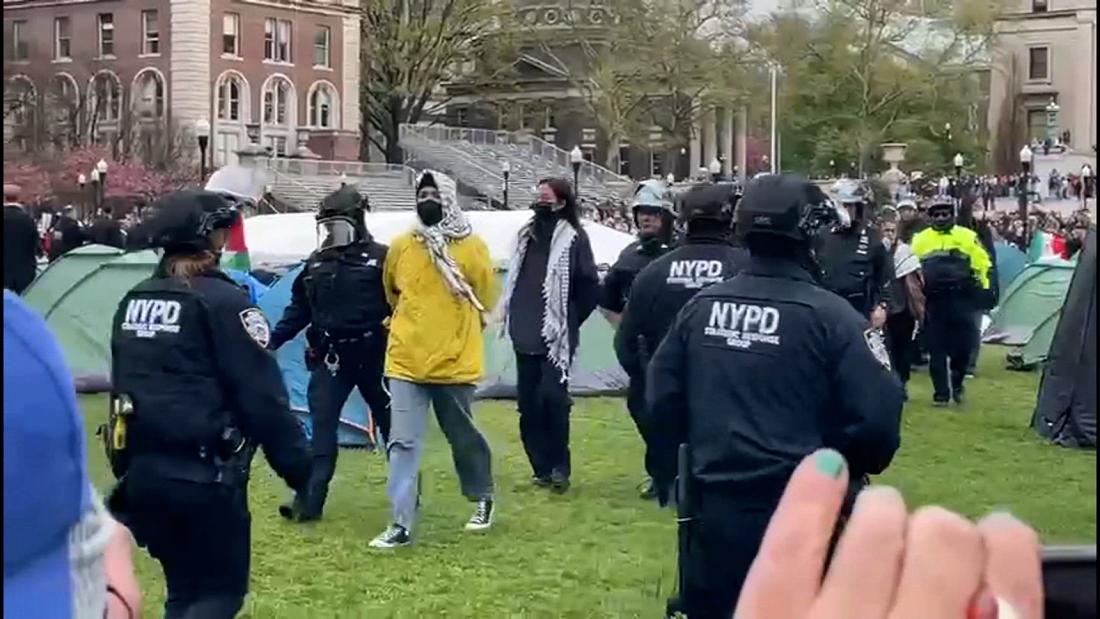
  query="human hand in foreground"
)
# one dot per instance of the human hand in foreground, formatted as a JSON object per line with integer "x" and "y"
{"x": 118, "y": 565}
{"x": 888, "y": 564}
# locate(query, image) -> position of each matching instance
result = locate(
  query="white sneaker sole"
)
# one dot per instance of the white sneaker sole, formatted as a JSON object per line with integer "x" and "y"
{"x": 477, "y": 528}
{"x": 387, "y": 546}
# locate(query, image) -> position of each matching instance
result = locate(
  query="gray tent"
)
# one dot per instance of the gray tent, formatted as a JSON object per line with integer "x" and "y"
{"x": 1066, "y": 409}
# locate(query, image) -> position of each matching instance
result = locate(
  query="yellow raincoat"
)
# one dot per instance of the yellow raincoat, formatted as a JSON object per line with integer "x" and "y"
{"x": 435, "y": 336}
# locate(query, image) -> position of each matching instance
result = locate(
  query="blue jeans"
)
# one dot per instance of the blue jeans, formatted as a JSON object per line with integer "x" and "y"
{"x": 472, "y": 458}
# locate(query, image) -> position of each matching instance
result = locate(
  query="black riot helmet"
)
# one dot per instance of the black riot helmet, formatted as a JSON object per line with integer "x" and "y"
{"x": 784, "y": 206}
{"x": 858, "y": 195}
{"x": 185, "y": 220}
{"x": 341, "y": 218}
{"x": 709, "y": 207}
{"x": 941, "y": 212}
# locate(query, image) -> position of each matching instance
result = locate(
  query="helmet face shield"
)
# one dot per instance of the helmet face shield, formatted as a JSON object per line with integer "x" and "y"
{"x": 335, "y": 232}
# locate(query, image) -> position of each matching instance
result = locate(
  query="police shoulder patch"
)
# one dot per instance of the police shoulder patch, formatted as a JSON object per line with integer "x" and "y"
{"x": 877, "y": 344}
{"x": 255, "y": 324}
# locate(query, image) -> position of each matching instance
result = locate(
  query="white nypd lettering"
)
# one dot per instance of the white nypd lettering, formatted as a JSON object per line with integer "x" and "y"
{"x": 743, "y": 324}
{"x": 147, "y": 317}
{"x": 695, "y": 273}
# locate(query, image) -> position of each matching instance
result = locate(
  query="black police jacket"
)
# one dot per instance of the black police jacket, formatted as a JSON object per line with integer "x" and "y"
{"x": 107, "y": 231}
{"x": 857, "y": 266}
{"x": 21, "y": 248}
{"x": 192, "y": 358}
{"x": 615, "y": 289}
{"x": 68, "y": 234}
{"x": 759, "y": 371}
{"x": 662, "y": 289}
{"x": 339, "y": 292}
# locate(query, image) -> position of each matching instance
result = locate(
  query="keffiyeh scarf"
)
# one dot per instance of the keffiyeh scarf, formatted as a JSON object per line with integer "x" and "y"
{"x": 453, "y": 227}
{"x": 555, "y": 292}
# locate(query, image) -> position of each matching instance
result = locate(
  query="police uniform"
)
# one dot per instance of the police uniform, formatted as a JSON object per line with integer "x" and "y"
{"x": 651, "y": 195}
{"x": 659, "y": 292}
{"x": 853, "y": 260}
{"x": 956, "y": 270}
{"x": 339, "y": 295}
{"x": 755, "y": 374}
{"x": 199, "y": 390}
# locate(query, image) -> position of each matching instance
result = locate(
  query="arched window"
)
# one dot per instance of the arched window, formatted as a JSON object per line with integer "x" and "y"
{"x": 106, "y": 97}
{"x": 232, "y": 98}
{"x": 278, "y": 102}
{"x": 20, "y": 98}
{"x": 147, "y": 95}
{"x": 322, "y": 106}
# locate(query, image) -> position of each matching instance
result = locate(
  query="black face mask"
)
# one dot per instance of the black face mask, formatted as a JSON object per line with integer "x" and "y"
{"x": 430, "y": 212}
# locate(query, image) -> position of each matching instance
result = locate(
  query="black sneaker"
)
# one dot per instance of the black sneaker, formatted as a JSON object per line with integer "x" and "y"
{"x": 295, "y": 511}
{"x": 559, "y": 482}
{"x": 483, "y": 516}
{"x": 393, "y": 537}
{"x": 959, "y": 396}
{"x": 647, "y": 491}
{"x": 540, "y": 482}
{"x": 940, "y": 403}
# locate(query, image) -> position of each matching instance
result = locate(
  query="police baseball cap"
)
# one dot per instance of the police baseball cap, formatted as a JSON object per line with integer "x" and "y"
{"x": 46, "y": 485}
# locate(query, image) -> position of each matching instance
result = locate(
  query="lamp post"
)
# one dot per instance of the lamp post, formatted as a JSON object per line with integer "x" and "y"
{"x": 94, "y": 175}
{"x": 202, "y": 134}
{"x": 1052, "y": 110}
{"x": 82, "y": 180}
{"x": 715, "y": 170}
{"x": 575, "y": 158}
{"x": 958, "y": 161}
{"x": 506, "y": 170}
{"x": 1086, "y": 181}
{"x": 1025, "y": 181}
{"x": 101, "y": 167}
{"x": 832, "y": 167}
{"x": 947, "y": 132}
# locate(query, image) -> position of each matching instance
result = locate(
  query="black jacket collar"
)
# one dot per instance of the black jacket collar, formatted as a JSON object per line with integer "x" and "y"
{"x": 777, "y": 267}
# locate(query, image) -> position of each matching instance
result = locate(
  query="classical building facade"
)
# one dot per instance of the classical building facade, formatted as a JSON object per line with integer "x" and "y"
{"x": 1045, "y": 51}
{"x": 285, "y": 74}
{"x": 542, "y": 98}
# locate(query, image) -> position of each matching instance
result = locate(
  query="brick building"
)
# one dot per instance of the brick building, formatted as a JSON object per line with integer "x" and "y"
{"x": 287, "y": 72}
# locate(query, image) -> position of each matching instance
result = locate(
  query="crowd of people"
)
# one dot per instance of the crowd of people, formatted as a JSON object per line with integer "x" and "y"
{"x": 713, "y": 316}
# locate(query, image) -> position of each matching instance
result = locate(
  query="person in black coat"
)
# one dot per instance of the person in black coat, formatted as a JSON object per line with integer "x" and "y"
{"x": 107, "y": 230}
{"x": 21, "y": 248}
{"x": 67, "y": 234}
{"x": 551, "y": 290}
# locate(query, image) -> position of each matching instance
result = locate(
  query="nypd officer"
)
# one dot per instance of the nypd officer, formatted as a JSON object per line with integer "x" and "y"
{"x": 653, "y": 218}
{"x": 339, "y": 295}
{"x": 755, "y": 374}
{"x": 854, "y": 262}
{"x": 956, "y": 269}
{"x": 198, "y": 390}
{"x": 705, "y": 257}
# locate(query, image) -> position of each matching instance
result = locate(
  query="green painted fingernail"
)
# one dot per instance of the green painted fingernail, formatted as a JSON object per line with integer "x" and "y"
{"x": 829, "y": 463}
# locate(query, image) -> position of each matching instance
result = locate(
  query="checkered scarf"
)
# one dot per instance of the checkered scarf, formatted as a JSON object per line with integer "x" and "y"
{"x": 453, "y": 227}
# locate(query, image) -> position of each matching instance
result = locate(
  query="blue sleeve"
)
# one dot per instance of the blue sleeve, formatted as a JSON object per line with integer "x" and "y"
{"x": 296, "y": 316}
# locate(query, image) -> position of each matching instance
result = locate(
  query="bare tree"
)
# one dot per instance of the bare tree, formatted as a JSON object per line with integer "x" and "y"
{"x": 411, "y": 46}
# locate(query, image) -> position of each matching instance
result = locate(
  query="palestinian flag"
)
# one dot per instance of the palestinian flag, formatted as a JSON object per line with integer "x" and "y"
{"x": 235, "y": 255}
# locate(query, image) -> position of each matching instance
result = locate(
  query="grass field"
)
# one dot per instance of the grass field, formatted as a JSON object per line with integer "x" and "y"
{"x": 599, "y": 551}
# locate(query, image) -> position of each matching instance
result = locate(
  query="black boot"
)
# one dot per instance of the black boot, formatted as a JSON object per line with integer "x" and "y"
{"x": 295, "y": 511}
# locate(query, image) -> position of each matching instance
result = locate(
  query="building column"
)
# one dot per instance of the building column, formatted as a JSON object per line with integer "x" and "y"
{"x": 727, "y": 140}
{"x": 695, "y": 151}
{"x": 742, "y": 137}
{"x": 710, "y": 143}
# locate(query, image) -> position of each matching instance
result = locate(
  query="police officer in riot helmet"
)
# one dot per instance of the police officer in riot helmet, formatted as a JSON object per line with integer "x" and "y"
{"x": 339, "y": 295}
{"x": 194, "y": 392}
{"x": 653, "y": 217}
{"x": 756, "y": 373}
{"x": 705, "y": 256}
{"x": 854, "y": 262}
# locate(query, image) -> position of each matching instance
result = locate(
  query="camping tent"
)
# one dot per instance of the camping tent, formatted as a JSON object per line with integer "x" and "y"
{"x": 78, "y": 295}
{"x": 1010, "y": 263}
{"x": 1065, "y": 411}
{"x": 1028, "y": 311}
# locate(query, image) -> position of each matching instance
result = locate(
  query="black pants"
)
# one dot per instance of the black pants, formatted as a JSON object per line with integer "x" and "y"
{"x": 950, "y": 326}
{"x": 201, "y": 535}
{"x": 360, "y": 365}
{"x": 544, "y": 405}
{"x": 635, "y": 404}
{"x": 900, "y": 344}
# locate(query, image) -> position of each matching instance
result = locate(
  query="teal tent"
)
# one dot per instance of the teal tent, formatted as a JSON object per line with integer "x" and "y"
{"x": 1028, "y": 312}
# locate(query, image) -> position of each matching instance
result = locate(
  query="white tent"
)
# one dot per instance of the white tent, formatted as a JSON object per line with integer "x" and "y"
{"x": 280, "y": 240}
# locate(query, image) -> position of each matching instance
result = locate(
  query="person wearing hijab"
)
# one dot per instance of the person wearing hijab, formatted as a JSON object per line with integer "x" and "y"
{"x": 438, "y": 280}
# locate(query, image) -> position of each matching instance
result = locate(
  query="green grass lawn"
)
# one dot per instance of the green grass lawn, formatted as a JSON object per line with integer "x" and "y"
{"x": 599, "y": 551}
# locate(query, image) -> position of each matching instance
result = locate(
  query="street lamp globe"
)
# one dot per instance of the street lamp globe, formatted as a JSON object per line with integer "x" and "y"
{"x": 958, "y": 160}
{"x": 1053, "y": 107}
{"x": 1025, "y": 154}
{"x": 947, "y": 126}
{"x": 576, "y": 156}
{"x": 94, "y": 175}
{"x": 506, "y": 167}
{"x": 202, "y": 128}
{"x": 81, "y": 180}
{"x": 715, "y": 166}
{"x": 101, "y": 167}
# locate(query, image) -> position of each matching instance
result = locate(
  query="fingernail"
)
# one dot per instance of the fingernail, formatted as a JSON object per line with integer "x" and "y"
{"x": 983, "y": 607}
{"x": 1005, "y": 610}
{"x": 829, "y": 463}
{"x": 1001, "y": 516}
{"x": 874, "y": 491}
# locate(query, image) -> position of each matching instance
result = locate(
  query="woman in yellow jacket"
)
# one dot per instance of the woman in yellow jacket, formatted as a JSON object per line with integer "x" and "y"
{"x": 439, "y": 281}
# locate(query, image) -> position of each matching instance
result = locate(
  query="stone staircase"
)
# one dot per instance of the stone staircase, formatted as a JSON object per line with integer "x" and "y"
{"x": 303, "y": 183}
{"x": 477, "y": 157}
